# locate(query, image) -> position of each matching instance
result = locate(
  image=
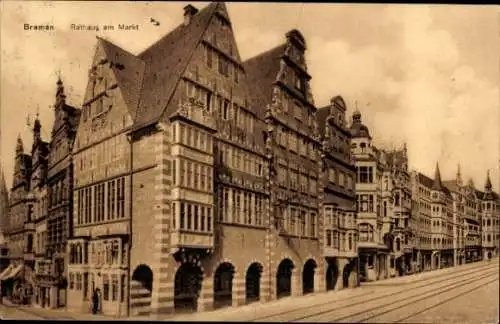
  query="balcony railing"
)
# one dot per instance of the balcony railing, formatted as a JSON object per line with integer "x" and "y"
{"x": 183, "y": 239}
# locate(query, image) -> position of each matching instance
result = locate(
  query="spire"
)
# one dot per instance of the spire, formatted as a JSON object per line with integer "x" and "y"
{"x": 19, "y": 145}
{"x": 4, "y": 201}
{"x": 488, "y": 186}
{"x": 459, "y": 175}
{"x": 437, "y": 185}
{"x": 60, "y": 96}
{"x": 37, "y": 126}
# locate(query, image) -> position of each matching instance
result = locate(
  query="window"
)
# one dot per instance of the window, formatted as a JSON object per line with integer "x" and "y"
{"x": 223, "y": 66}
{"x": 209, "y": 57}
{"x": 365, "y": 203}
{"x": 365, "y": 232}
{"x": 235, "y": 74}
{"x": 174, "y": 172}
{"x": 195, "y": 215}
{"x": 71, "y": 281}
{"x": 122, "y": 288}
{"x": 225, "y": 110}
{"x": 189, "y": 217}
{"x": 114, "y": 288}
{"x": 85, "y": 285}
{"x": 313, "y": 225}
{"x": 202, "y": 218}
{"x": 105, "y": 293}
{"x": 121, "y": 197}
{"x": 209, "y": 219}
{"x": 364, "y": 174}
{"x": 182, "y": 216}
{"x": 302, "y": 223}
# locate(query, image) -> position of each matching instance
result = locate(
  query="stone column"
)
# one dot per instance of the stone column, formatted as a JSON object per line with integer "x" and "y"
{"x": 296, "y": 282}
{"x": 238, "y": 292}
{"x": 340, "y": 276}
{"x": 265, "y": 286}
{"x": 206, "y": 298}
{"x": 163, "y": 267}
{"x": 319, "y": 277}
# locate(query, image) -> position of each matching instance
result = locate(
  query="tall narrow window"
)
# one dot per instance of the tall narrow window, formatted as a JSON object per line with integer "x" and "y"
{"x": 85, "y": 286}
{"x": 202, "y": 218}
{"x": 121, "y": 198}
{"x": 182, "y": 216}
{"x": 209, "y": 57}
{"x": 105, "y": 292}
{"x": 313, "y": 225}
{"x": 114, "y": 288}
{"x": 174, "y": 172}
{"x": 208, "y": 103}
{"x": 189, "y": 217}
{"x": 209, "y": 219}
{"x": 122, "y": 288}
{"x": 195, "y": 216}
{"x": 225, "y": 110}
{"x": 182, "y": 175}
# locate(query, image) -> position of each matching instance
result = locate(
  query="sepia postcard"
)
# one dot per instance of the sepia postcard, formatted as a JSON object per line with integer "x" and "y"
{"x": 245, "y": 161}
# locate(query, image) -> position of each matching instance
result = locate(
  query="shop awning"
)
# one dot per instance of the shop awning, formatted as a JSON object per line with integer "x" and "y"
{"x": 14, "y": 272}
{"x": 6, "y": 271}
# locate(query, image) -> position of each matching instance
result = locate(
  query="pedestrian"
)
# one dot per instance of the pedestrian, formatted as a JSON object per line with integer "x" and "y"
{"x": 95, "y": 302}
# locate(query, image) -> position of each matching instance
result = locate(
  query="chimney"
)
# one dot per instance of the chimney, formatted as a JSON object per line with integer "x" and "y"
{"x": 189, "y": 12}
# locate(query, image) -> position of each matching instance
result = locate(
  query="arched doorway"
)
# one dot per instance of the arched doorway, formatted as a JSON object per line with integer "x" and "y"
{"x": 284, "y": 278}
{"x": 188, "y": 279}
{"x": 332, "y": 274}
{"x": 252, "y": 282}
{"x": 489, "y": 255}
{"x": 346, "y": 274}
{"x": 223, "y": 285}
{"x": 436, "y": 261}
{"x": 308, "y": 276}
{"x": 144, "y": 275}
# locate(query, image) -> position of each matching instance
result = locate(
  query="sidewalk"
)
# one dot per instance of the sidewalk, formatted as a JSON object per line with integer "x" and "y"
{"x": 62, "y": 314}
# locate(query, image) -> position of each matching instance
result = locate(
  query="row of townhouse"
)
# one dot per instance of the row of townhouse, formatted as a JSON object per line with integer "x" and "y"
{"x": 190, "y": 179}
{"x": 39, "y": 212}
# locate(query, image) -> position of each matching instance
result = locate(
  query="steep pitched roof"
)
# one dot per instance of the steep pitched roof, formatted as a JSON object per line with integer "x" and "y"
{"x": 451, "y": 185}
{"x": 261, "y": 71}
{"x": 425, "y": 180}
{"x": 437, "y": 185}
{"x": 129, "y": 72}
{"x": 321, "y": 116}
{"x": 4, "y": 200}
{"x": 165, "y": 62}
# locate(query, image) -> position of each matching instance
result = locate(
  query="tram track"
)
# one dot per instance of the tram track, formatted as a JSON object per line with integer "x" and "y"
{"x": 368, "y": 315}
{"x": 441, "y": 302}
{"x": 364, "y": 297}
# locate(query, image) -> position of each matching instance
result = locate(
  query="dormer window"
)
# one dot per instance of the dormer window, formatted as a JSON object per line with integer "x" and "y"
{"x": 300, "y": 84}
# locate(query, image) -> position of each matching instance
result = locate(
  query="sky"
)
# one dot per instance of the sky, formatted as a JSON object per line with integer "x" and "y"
{"x": 425, "y": 75}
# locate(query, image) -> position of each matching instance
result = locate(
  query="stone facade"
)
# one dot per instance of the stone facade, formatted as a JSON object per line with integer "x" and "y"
{"x": 338, "y": 176}
{"x": 227, "y": 183}
{"x": 373, "y": 251}
{"x": 192, "y": 180}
